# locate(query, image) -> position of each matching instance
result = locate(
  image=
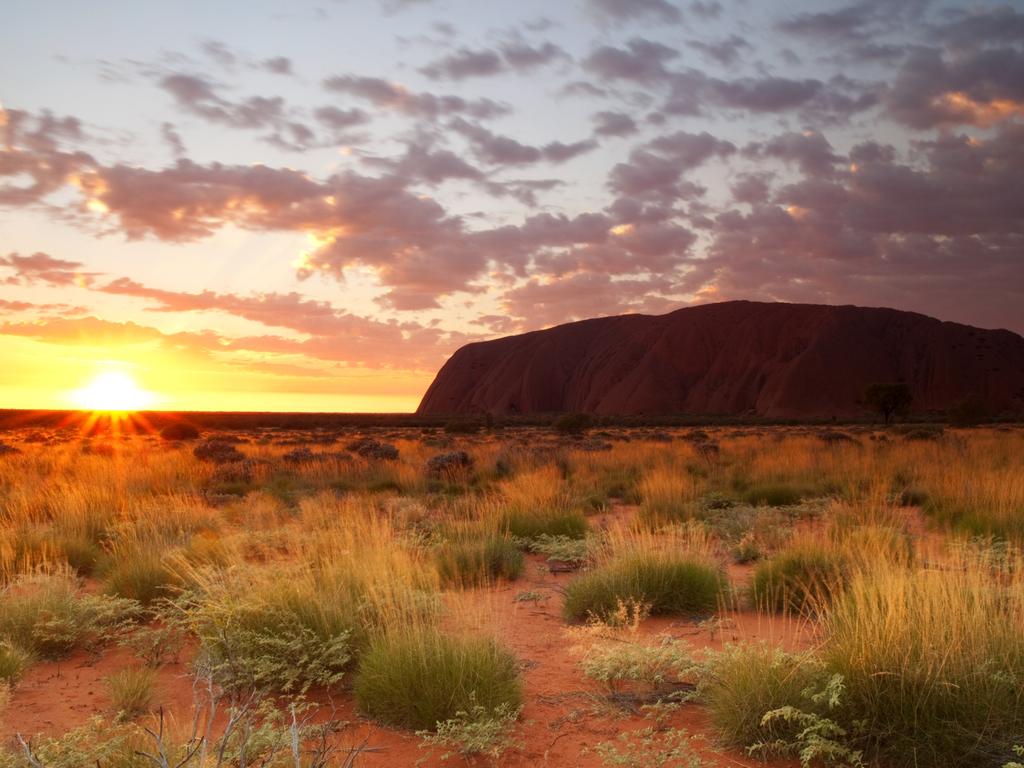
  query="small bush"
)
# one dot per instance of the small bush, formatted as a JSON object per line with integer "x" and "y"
{"x": 462, "y": 426}
{"x": 772, "y": 495}
{"x": 47, "y": 618}
{"x": 661, "y": 671}
{"x": 470, "y": 563}
{"x": 131, "y": 691}
{"x": 279, "y": 642}
{"x": 475, "y": 732}
{"x": 667, "y": 583}
{"x": 650, "y": 748}
{"x": 179, "y": 431}
{"x": 419, "y": 678}
{"x": 572, "y": 423}
{"x": 562, "y": 549}
{"x": 798, "y": 579}
{"x": 449, "y": 467}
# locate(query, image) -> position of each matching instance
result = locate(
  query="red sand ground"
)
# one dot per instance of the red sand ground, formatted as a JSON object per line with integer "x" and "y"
{"x": 562, "y": 719}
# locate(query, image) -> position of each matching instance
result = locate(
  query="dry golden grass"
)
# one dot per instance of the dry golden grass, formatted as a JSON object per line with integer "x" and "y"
{"x": 924, "y": 625}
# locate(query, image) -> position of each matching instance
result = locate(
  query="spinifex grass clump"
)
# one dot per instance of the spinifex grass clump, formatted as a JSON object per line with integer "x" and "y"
{"x": 471, "y": 562}
{"x": 798, "y": 579}
{"x": 668, "y": 583}
{"x": 131, "y": 691}
{"x": 139, "y": 573}
{"x": 417, "y": 677}
{"x": 932, "y": 662}
{"x": 667, "y": 494}
{"x": 536, "y": 503}
{"x": 14, "y": 660}
{"x": 744, "y": 682}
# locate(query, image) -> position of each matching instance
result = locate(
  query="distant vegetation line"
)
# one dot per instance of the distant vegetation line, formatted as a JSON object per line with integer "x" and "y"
{"x": 20, "y": 418}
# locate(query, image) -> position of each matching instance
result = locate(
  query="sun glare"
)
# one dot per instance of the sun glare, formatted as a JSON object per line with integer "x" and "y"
{"x": 113, "y": 391}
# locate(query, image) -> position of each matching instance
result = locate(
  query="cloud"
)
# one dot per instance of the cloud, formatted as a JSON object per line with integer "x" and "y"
{"x": 706, "y": 10}
{"x": 809, "y": 150}
{"x": 32, "y": 162}
{"x": 173, "y": 139}
{"x": 524, "y": 58}
{"x": 502, "y": 150}
{"x": 581, "y": 296}
{"x": 941, "y": 232}
{"x": 692, "y": 92}
{"x": 655, "y": 170}
{"x": 513, "y": 56}
{"x": 278, "y": 65}
{"x": 464, "y": 63}
{"x": 198, "y": 96}
{"x": 981, "y": 87}
{"x": 856, "y": 22}
{"x": 341, "y": 120}
{"x": 609, "y": 123}
{"x": 835, "y": 100}
{"x": 42, "y": 268}
{"x": 387, "y": 95}
{"x": 637, "y": 10}
{"x": 726, "y": 52}
{"x": 641, "y": 61}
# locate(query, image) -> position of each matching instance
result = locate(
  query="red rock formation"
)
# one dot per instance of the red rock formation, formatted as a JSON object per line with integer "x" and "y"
{"x": 733, "y": 358}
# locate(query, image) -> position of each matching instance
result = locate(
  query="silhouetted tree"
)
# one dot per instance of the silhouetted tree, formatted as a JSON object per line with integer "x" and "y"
{"x": 889, "y": 399}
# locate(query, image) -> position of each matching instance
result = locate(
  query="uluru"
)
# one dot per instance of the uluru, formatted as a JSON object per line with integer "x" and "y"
{"x": 736, "y": 358}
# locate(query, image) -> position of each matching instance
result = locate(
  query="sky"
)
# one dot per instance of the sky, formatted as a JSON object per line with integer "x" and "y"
{"x": 299, "y": 206}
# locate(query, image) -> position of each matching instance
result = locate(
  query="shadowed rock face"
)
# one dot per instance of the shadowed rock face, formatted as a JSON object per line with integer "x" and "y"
{"x": 733, "y": 358}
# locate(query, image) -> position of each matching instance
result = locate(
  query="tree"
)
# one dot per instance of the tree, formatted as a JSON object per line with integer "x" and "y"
{"x": 889, "y": 399}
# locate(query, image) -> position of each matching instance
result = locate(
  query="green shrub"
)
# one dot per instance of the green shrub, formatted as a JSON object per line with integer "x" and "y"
{"x": 475, "y": 732}
{"x": 274, "y": 642}
{"x": 131, "y": 691}
{"x": 666, "y": 583}
{"x": 97, "y": 743}
{"x": 419, "y": 678}
{"x": 470, "y": 563}
{"x": 817, "y": 737}
{"x": 661, "y": 670}
{"x": 46, "y": 617}
{"x": 798, "y": 579}
{"x": 562, "y": 549}
{"x": 744, "y": 682}
{"x": 650, "y": 748}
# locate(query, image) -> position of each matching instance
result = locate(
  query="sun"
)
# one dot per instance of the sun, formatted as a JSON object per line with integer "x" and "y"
{"x": 113, "y": 391}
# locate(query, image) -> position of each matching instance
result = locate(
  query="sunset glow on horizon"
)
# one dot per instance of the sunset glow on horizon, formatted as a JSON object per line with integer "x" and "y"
{"x": 252, "y": 216}
{"x": 113, "y": 391}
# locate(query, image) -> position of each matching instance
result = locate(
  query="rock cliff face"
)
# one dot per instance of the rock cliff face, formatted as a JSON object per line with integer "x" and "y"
{"x": 734, "y": 358}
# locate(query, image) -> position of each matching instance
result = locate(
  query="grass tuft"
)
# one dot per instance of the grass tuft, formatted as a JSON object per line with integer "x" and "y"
{"x": 667, "y": 583}
{"x": 470, "y": 563}
{"x": 417, "y": 678}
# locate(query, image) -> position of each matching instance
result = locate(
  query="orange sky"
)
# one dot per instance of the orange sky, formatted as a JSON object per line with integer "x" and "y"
{"x": 309, "y": 206}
